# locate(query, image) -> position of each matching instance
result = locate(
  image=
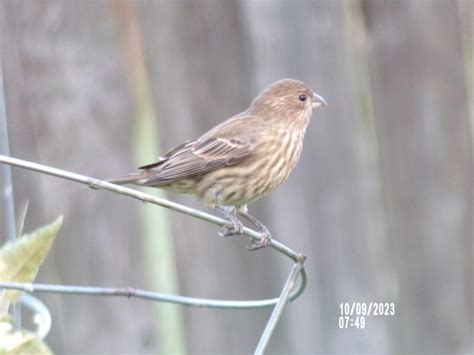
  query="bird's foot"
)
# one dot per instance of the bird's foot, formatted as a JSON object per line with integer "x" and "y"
{"x": 262, "y": 243}
{"x": 237, "y": 228}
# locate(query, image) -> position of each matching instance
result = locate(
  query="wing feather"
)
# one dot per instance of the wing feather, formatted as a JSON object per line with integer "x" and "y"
{"x": 175, "y": 151}
{"x": 225, "y": 145}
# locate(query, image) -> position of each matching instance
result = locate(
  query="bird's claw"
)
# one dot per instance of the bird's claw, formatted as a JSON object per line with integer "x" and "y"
{"x": 262, "y": 243}
{"x": 237, "y": 228}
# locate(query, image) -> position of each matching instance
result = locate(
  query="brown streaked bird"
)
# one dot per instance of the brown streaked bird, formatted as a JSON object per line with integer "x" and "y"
{"x": 240, "y": 160}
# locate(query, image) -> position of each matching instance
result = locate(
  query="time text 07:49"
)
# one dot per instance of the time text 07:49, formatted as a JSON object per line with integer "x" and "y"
{"x": 353, "y": 315}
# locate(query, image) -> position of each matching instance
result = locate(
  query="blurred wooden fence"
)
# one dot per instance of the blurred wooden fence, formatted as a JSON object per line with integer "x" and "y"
{"x": 381, "y": 203}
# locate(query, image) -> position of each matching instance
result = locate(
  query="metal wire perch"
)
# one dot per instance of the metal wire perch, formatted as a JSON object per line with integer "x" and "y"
{"x": 289, "y": 292}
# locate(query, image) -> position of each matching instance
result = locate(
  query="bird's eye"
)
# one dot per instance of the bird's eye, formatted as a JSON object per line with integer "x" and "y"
{"x": 302, "y": 97}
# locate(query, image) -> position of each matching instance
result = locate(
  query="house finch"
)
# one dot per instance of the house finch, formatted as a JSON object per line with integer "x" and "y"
{"x": 240, "y": 160}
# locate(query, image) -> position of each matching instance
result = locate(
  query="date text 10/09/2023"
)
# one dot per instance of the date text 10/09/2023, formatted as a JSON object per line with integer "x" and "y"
{"x": 353, "y": 315}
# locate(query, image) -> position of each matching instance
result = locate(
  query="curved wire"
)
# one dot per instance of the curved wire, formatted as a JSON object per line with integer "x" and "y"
{"x": 147, "y": 295}
{"x": 42, "y": 316}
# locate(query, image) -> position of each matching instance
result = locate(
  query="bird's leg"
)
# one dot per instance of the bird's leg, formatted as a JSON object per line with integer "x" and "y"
{"x": 229, "y": 213}
{"x": 266, "y": 236}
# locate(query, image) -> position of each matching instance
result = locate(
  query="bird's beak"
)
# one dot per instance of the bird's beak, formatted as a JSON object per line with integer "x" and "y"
{"x": 318, "y": 101}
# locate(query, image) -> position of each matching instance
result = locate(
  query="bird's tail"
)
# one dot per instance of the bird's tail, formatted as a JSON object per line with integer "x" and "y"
{"x": 135, "y": 178}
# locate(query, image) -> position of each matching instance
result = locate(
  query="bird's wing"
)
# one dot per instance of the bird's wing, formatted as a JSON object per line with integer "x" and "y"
{"x": 222, "y": 146}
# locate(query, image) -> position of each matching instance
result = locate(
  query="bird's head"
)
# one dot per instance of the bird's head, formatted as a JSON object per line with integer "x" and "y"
{"x": 287, "y": 98}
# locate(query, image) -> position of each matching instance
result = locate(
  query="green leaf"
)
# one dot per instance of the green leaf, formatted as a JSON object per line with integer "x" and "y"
{"x": 20, "y": 260}
{"x": 21, "y": 342}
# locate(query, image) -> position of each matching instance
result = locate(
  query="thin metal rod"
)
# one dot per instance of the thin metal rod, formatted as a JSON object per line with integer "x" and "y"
{"x": 96, "y": 183}
{"x": 278, "y": 310}
{"x": 144, "y": 197}
{"x": 7, "y": 186}
{"x": 142, "y": 294}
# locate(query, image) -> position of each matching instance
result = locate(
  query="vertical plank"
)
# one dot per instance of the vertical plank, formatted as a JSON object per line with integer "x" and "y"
{"x": 199, "y": 65}
{"x": 320, "y": 210}
{"x": 68, "y": 107}
{"x": 158, "y": 243}
{"x": 420, "y": 101}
